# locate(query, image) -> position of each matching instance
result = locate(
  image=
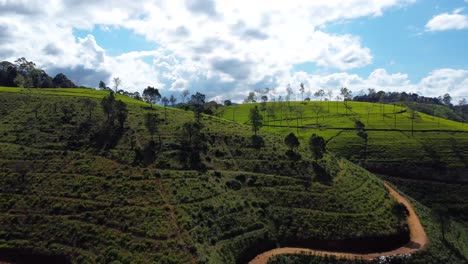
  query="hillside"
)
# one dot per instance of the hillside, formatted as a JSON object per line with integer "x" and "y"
{"x": 77, "y": 185}
{"x": 400, "y": 142}
{"x": 426, "y": 158}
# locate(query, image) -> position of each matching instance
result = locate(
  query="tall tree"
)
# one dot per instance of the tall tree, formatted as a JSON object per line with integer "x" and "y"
{"x": 108, "y": 105}
{"x": 447, "y": 99}
{"x": 302, "y": 90}
{"x": 347, "y": 94}
{"x": 185, "y": 93}
{"x": 151, "y": 95}
{"x": 256, "y": 119}
{"x": 102, "y": 85}
{"x": 121, "y": 112}
{"x": 172, "y": 100}
{"x": 197, "y": 102}
{"x": 62, "y": 81}
{"x": 291, "y": 141}
{"x": 251, "y": 98}
{"x": 317, "y": 146}
{"x": 264, "y": 102}
{"x": 289, "y": 93}
{"x": 320, "y": 94}
{"x": 330, "y": 96}
{"x": 152, "y": 124}
{"x": 117, "y": 82}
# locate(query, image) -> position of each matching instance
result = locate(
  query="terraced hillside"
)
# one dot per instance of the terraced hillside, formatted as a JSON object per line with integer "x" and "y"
{"x": 400, "y": 142}
{"x": 77, "y": 186}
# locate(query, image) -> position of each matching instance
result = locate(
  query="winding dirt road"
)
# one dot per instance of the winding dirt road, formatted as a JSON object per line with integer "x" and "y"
{"x": 418, "y": 240}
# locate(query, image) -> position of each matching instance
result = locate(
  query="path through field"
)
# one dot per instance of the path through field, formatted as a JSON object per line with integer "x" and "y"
{"x": 418, "y": 240}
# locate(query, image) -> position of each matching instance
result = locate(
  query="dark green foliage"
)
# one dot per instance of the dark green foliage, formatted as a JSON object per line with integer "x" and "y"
{"x": 23, "y": 73}
{"x": 197, "y": 102}
{"x": 257, "y": 142}
{"x": 101, "y": 193}
{"x": 152, "y": 123}
{"x": 291, "y": 141}
{"x": 317, "y": 146}
{"x": 151, "y": 95}
{"x": 234, "y": 184}
{"x": 256, "y": 119}
{"x": 61, "y": 81}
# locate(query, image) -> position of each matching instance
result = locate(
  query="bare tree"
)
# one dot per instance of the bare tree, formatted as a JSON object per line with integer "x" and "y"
{"x": 302, "y": 90}
{"x": 184, "y": 95}
{"x": 320, "y": 93}
{"x": 117, "y": 82}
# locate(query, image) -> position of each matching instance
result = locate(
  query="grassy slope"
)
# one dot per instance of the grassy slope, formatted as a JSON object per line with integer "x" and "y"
{"x": 438, "y": 150}
{"x": 60, "y": 195}
{"x": 436, "y": 147}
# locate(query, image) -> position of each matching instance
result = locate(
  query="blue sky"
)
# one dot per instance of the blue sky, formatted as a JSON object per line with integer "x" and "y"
{"x": 226, "y": 49}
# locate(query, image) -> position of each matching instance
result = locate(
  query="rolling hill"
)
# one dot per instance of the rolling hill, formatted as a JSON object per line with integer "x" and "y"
{"x": 83, "y": 185}
{"x": 400, "y": 142}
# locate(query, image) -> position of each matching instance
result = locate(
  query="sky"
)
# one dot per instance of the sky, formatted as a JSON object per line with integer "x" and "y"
{"x": 225, "y": 49}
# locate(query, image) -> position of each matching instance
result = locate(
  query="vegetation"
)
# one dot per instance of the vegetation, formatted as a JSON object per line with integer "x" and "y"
{"x": 91, "y": 184}
{"x": 23, "y": 73}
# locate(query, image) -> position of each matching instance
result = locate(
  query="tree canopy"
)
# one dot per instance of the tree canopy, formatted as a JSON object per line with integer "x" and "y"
{"x": 151, "y": 95}
{"x": 23, "y": 73}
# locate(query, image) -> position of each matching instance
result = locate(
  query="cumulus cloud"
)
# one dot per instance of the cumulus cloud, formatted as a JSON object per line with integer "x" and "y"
{"x": 221, "y": 48}
{"x": 446, "y": 21}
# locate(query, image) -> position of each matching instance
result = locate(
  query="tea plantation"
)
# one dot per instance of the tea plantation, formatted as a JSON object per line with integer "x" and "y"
{"x": 81, "y": 183}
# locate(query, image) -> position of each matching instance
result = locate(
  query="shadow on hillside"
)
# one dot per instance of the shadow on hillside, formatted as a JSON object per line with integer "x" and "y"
{"x": 28, "y": 256}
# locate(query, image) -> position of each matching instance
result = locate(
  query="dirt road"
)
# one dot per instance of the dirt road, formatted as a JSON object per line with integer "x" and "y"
{"x": 418, "y": 240}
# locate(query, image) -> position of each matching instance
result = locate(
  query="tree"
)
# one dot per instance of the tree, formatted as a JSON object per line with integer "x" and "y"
{"x": 347, "y": 94}
{"x": 197, "y": 101}
{"x": 152, "y": 124}
{"x": 302, "y": 90}
{"x": 227, "y": 102}
{"x": 172, "y": 100}
{"x": 61, "y": 81}
{"x": 291, "y": 141}
{"x": 447, "y": 99}
{"x": 151, "y": 95}
{"x": 330, "y": 96}
{"x": 191, "y": 144}
{"x": 317, "y": 146}
{"x": 165, "y": 102}
{"x": 102, "y": 85}
{"x": 184, "y": 95}
{"x": 19, "y": 81}
{"x": 317, "y": 109}
{"x": 289, "y": 92}
{"x": 251, "y": 98}
{"x": 121, "y": 112}
{"x": 89, "y": 105}
{"x": 320, "y": 93}
{"x": 108, "y": 105}
{"x": 264, "y": 102}
{"x": 117, "y": 82}
{"x": 256, "y": 119}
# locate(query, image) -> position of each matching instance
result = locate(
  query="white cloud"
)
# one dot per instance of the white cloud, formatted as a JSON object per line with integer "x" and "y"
{"x": 446, "y": 21}
{"x": 221, "y": 48}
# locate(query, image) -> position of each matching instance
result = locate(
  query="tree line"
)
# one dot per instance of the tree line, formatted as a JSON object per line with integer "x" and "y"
{"x": 23, "y": 73}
